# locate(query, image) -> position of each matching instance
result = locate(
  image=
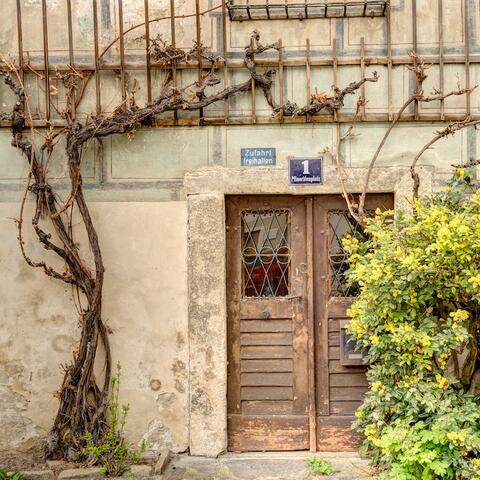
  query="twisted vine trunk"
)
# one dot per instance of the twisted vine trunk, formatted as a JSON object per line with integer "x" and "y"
{"x": 83, "y": 403}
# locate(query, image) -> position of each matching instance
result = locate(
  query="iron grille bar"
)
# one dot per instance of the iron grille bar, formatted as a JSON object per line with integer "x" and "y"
{"x": 46, "y": 60}
{"x": 98, "y": 100}
{"x": 365, "y": 8}
{"x": 20, "y": 38}
{"x": 147, "y": 51}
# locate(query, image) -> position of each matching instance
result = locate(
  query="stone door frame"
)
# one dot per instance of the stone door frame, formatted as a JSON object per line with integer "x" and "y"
{"x": 205, "y": 190}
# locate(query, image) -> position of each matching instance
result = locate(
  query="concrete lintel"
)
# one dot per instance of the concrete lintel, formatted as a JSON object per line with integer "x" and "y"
{"x": 274, "y": 180}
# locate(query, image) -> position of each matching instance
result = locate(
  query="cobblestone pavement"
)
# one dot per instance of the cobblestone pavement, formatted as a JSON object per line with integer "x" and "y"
{"x": 264, "y": 466}
{"x": 231, "y": 466}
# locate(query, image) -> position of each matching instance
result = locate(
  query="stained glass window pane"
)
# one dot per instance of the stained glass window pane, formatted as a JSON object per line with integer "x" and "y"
{"x": 266, "y": 253}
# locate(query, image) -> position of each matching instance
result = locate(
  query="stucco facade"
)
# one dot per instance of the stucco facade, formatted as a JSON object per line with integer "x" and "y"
{"x": 158, "y": 203}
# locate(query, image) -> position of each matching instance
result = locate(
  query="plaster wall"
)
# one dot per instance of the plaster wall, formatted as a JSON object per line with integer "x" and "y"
{"x": 144, "y": 249}
{"x": 158, "y": 203}
{"x": 146, "y": 195}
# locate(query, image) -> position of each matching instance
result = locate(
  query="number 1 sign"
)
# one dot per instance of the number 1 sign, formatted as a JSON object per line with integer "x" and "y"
{"x": 306, "y": 171}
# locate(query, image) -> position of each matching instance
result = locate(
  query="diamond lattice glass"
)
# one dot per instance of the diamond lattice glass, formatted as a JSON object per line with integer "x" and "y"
{"x": 266, "y": 253}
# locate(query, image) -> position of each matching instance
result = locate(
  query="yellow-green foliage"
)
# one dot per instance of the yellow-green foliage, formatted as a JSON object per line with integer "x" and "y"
{"x": 419, "y": 302}
{"x": 112, "y": 452}
{"x": 319, "y": 466}
{"x": 10, "y": 476}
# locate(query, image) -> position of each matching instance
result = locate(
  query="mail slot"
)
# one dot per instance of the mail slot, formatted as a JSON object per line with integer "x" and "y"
{"x": 350, "y": 356}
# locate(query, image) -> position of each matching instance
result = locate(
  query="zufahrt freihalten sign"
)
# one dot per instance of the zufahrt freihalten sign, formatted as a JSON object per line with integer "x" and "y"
{"x": 306, "y": 171}
{"x": 255, "y": 157}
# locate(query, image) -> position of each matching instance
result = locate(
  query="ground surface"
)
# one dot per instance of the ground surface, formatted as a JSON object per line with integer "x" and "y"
{"x": 231, "y": 466}
{"x": 18, "y": 461}
{"x": 264, "y": 466}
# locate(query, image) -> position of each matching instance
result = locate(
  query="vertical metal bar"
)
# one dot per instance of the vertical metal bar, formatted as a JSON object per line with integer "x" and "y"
{"x": 252, "y": 89}
{"x": 415, "y": 46}
{"x": 338, "y": 141}
{"x": 440, "y": 55}
{"x": 71, "y": 57}
{"x": 122, "y": 53}
{"x": 467, "y": 57}
{"x": 20, "y": 39}
{"x": 174, "y": 44}
{"x": 147, "y": 52}
{"x": 98, "y": 99}
{"x": 335, "y": 71}
{"x": 362, "y": 73}
{"x": 308, "y": 74}
{"x": 312, "y": 403}
{"x": 281, "y": 77}
{"x": 226, "y": 107}
{"x": 389, "y": 63}
{"x": 46, "y": 60}
{"x": 199, "y": 49}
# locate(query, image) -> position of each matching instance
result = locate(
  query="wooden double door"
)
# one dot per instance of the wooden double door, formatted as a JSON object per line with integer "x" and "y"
{"x": 294, "y": 382}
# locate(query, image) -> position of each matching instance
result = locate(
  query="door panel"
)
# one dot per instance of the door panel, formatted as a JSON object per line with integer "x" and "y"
{"x": 267, "y": 324}
{"x": 340, "y": 388}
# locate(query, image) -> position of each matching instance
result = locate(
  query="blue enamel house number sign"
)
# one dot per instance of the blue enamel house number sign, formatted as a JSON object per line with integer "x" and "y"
{"x": 306, "y": 171}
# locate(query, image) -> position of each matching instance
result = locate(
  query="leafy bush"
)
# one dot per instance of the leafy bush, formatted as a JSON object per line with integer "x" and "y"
{"x": 319, "y": 466}
{"x": 10, "y": 476}
{"x": 113, "y": 452}
{"x": 417, "y": 316}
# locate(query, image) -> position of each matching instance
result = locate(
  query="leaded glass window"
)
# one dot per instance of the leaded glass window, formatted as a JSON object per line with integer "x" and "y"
{"x": 341, "y": 224}
{"x": 266, "y": 253}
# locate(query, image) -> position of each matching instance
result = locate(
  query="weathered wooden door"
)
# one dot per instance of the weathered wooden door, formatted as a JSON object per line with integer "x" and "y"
{"x": 341, "y": 382}
{"x": 294, "y": 378}
{"x": 268, "y": 385}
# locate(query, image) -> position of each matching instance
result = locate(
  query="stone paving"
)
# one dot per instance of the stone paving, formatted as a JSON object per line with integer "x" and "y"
{"x": 264, "y": 466}
{"x": 231, "y": 466}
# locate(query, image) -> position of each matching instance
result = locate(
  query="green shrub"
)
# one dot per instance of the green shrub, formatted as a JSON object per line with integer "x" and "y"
{"x": 113, "y": 452}
{"x": 319, "y": 466}
{"x": 417, "y": 317}
{"x": 10, "y": 476}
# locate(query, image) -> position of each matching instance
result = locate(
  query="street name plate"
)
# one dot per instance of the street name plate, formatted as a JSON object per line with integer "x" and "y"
{"x": 256, "y": 157}
{"x": 306, "y": 170}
